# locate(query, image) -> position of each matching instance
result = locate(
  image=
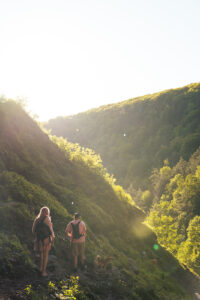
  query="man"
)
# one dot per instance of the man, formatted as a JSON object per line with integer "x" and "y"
{"x": 76, "y": 230}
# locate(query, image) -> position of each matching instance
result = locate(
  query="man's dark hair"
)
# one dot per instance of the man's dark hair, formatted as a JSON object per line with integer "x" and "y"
{"x": 76, "y": 216}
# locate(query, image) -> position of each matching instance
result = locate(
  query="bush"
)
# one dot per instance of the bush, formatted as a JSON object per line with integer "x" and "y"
{"x": 14, "y": 259}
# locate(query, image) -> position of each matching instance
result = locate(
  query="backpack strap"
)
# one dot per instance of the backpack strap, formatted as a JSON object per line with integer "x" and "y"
{"x": 74, "y": 224}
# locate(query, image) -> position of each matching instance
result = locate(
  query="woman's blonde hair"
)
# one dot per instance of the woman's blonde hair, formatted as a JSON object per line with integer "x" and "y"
{"x": 44, "y": 211}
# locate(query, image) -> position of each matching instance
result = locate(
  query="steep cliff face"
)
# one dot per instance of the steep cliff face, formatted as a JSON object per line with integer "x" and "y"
{"x": 35, "y": 172}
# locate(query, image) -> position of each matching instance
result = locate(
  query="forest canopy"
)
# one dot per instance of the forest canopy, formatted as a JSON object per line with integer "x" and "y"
{"x": 137, "y": 135}
{"x": 175, "y": 214}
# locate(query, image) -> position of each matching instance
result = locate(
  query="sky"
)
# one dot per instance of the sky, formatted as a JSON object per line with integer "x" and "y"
{"x": 67, "y": 56}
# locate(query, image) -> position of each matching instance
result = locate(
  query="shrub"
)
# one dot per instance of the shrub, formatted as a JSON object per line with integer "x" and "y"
{"x": 14, "y": 258}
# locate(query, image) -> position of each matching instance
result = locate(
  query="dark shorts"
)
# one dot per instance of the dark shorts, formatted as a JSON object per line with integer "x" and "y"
{"x": 78, "y": 249}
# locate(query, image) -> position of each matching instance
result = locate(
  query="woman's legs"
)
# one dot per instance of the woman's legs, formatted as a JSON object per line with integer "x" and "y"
{"x": 45, "y": 247}
{"x": 41, "y": 261}
{"x": 45, "y": 254}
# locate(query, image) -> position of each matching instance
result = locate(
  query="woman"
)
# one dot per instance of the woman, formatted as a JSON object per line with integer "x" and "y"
{"x": 44, "y": 234}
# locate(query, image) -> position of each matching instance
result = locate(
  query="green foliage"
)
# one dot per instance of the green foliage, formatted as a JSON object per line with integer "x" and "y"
{"x": 135, "y": 136}
{"x": 14, "y": 258}
{"x": 63, "y": 290}
{"x": 146, "y": 200}
{"x": 83, "y": 156}
{"x": 189, "y": 251}
{"x": 36, "y": 172}
{"x": 175, "y": 216}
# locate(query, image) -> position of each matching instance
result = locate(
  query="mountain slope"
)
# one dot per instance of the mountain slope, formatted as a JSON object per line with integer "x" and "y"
{"x": 35, "y": 172}
{"x": 137, "y": 135}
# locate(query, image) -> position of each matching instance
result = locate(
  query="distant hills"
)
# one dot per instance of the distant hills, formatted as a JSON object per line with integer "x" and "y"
{"x": 37, "y": 170}
{"x": 135, "y": 136}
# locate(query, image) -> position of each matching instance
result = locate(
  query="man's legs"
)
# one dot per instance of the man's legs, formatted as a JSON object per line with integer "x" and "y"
{"x": 78, "y": 249}
{"x": 82, "y": 254}
{"x": 75, "y": 256}
{"x": 75, "y": 262}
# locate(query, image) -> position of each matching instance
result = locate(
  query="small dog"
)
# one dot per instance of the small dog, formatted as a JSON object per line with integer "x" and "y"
{"x": 102, "y": 263}
{"x": 197, "y": 295}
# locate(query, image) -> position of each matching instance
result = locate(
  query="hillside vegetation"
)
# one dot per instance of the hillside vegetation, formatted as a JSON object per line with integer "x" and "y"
{"x": 38, "y": 170}
{"x": 151, "y": 144}
{"x": 175, "y": 214}
{"x": 137, "y": 135}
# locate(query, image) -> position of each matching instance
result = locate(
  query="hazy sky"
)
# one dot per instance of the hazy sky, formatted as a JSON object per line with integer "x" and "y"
{"x": 67, "y": 56}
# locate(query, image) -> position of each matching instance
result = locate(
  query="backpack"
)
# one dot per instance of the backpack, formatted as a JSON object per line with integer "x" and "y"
{"x": 42, "y": 230}
{"x": 75, "y": 228}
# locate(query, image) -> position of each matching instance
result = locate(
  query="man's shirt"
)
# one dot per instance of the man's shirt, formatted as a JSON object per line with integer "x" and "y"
{"x": 82, "y": 230}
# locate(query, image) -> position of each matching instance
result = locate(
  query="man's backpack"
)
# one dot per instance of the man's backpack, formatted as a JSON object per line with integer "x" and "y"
{"x": 42, "y": 230}
{"x": 75, "y": 228}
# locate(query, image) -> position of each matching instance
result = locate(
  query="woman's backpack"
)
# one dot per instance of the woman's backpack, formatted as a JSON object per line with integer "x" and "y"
{"x": 42, "y": 230}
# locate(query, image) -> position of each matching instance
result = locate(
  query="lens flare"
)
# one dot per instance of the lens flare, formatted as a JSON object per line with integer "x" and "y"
{"x": 156, "y": 247}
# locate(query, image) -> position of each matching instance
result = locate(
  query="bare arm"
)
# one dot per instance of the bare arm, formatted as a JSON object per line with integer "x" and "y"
{"x": 49, "y": 223}
{"x": 68, "y": 230}
{"x": 33, "y": 227}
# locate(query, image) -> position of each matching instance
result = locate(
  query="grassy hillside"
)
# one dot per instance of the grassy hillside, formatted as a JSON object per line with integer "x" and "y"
{"x": 36, "y": 170}
{"x": 137, "y": 135}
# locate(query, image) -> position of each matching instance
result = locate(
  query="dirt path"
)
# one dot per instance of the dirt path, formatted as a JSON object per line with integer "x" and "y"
{"x": 12, "y": 289}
